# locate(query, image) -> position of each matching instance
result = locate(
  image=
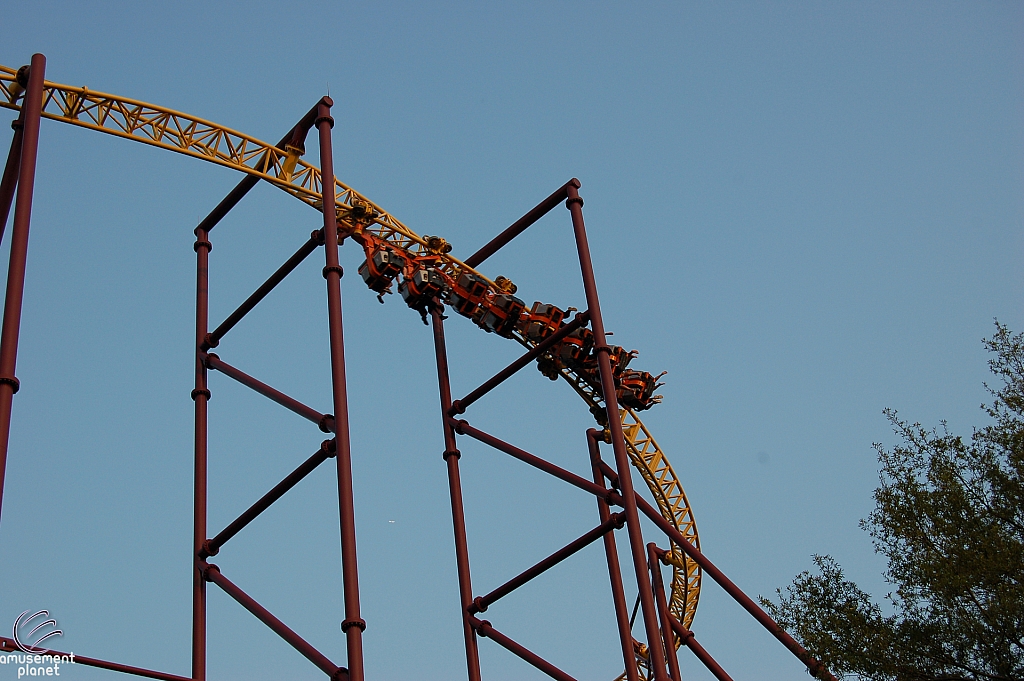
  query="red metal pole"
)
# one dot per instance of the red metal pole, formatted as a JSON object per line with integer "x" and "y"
{"x": 662, "y": 603}
{"x": 686, "y": 636}
{"x": 451, "y": 457}
{"x": 201, "y": 396}
{"x": 608, "y": 471}
{"x": 212, "y": 547}
{"x": 295, "y": 137}
{"x": 519, "y": 226}
{"x": 332, "y": 670}
{"x": 614, "y": 573}
{"x": 480, "y": 604}
{"x": 463, "y": 428}
{"x": 636, "y": 541}
{"x": 324, "y": 421}
{"x": 7, "y": 644}
{"x": 31, "y": 109}
{"x": 487, "y": 631}
{"x": 816, "y": 668}
{"x": 315, "y": 239}
{"x": 353, "y": 625}
{"x": 459, "y": 406}
{"x": 10, "y": 179}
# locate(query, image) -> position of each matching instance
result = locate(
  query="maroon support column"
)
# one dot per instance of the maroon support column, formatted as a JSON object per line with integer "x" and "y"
{"x": 201, "y": 396}
{"x": 451, "y": 457}
{"x": 636, "y": 541}
{"x": 662, "y": 603}
{"x": 10, "y": 180}
{"x": 31, "y": 109}
{"x": 353, "y": 625}
{"x": 614, "y": 574}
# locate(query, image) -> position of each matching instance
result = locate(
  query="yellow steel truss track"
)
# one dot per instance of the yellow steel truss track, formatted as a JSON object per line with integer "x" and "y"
{"x": 179, "y": 132}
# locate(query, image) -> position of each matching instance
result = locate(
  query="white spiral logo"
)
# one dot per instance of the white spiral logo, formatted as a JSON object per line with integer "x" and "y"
{"x": 23, "y": 621}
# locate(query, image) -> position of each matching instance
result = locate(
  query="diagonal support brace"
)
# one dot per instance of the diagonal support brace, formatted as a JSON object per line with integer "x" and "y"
{"x": 212, "y": 340}
{"x": 484, "y": 628}
{"x": 686, "y": 636}
{"x": 324, "y": 421}
{"x": 212, "y": 546}
{"x": 459, "y": 406}
{"x": 212, "y": 574}
{"x": 463, "y": 428}
{"x": 816, "y": 668}
{"x": 295, "y": 137}
{"x": 615, "y": 522}
{"x": 8, "y": 645}
{"x": 521, "y": 225}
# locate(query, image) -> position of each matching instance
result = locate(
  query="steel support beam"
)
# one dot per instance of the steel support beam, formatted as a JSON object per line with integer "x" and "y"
{"x": 336, "y": 673}
{"x": 324, "y": 421}
{"x": 816, "y": 668}
{"x": 201, "y": 393}
{"x": 487, "y": 631}
{"x": 636, "y": 541}
{"x": 353, "y": 625}
{"x": 481, "y": 603}
{"x": 459, "y": 406}
{"x": 521, "y": 225}
{"x": 686, "y": 636}
{"x": 451, "y": 456}
{"x": 663, "y": 612}
{"x": 11, "y": 327}
{"x": 212, "y": 547}
{"x": 463, "y": 428}
{"x": 201, "y": 397}
{"x": 213, "y": 339}
{"x": 612, "y": 556}
{"x": 7, "y": 645}
{"x": 9, "y": 183}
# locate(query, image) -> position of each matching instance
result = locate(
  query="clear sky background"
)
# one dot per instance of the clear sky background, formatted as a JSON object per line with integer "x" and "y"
{"x": 804, "y": 212}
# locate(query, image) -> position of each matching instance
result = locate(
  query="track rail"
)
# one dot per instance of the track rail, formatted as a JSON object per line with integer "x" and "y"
{"x": 196, "y": 137}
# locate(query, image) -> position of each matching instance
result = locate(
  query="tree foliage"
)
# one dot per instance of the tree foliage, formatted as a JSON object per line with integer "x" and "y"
{"x": 949, "y": 517}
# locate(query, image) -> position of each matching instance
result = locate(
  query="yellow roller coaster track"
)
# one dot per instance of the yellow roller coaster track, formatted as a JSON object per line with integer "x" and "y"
{"x": 175, "y": 131}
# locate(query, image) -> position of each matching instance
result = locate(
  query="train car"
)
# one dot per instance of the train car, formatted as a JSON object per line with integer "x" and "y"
{"x": 541, "y": 321}
{"x": 420, "y": 287}
{"x": 636, "y": 389}
{"x": 468, "y": 293}
{"x": 382, "y": 265}
{"x": 501, "y": 314}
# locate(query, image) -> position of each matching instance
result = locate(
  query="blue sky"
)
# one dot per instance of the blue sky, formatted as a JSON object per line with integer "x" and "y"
{"x": 803, "y": 212}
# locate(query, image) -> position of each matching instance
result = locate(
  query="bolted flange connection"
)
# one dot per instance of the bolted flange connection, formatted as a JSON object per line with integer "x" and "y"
{"x": 205, "y": 569}
{"x": 208, "y": 550}
{"x": 348, "y": 624}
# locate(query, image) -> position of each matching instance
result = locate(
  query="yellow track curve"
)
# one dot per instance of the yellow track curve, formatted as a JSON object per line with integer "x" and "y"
{"x": 175, "y": 131}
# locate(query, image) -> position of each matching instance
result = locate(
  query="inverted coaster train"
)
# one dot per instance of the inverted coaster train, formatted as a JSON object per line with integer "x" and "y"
{"x": 573, "y": 348}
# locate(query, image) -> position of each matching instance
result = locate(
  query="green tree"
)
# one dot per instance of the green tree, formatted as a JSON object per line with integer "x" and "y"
{"x": 949, "y": 517}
